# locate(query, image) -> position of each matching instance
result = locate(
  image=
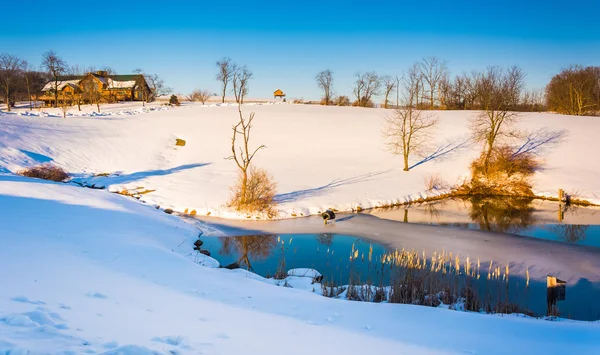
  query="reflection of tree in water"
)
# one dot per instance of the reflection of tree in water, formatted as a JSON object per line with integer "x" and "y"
{"x": 256, "y": 247}
{"x": 432, "y": 209}
{"x": 570, "y": 232}
{"x": 325, "y": 239}
{"x": 502, "y": 214}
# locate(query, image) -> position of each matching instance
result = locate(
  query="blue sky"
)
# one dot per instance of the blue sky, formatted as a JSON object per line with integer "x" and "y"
{"x": 286, "y": 43}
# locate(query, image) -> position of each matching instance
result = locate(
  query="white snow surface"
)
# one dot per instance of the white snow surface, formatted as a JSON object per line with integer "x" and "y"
{"x": 89, "y": 272}
{"x": 321, "y": 157}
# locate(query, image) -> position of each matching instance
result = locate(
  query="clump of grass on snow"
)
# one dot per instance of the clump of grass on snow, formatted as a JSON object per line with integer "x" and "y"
{"x": 46, "y": 172}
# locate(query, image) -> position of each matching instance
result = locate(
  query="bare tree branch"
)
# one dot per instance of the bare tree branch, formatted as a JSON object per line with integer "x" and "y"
{"x": 325, "y": 82}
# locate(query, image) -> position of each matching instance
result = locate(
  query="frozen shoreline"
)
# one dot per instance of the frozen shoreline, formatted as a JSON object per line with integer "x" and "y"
{"x": 540, "y": 257}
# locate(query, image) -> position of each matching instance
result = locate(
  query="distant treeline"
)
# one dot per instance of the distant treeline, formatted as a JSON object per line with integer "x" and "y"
{"x": 573, "y": 91}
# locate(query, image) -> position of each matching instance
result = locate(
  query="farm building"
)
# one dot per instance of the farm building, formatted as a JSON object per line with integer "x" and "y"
{"x": 98, "y": 86}
{"x": 278, "y": 94}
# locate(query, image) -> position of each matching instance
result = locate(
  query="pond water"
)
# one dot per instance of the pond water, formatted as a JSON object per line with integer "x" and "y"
{"x": 327, "y": 253}
{"x": 521, "y": 216}
{"x": 330, "y": 253}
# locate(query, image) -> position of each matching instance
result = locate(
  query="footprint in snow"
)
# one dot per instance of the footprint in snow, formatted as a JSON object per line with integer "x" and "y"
{"x": 53, "y": 315}
{"x": 32, "y": 319}
{"x": 24, "y": 299}
{"x": 110, "y": 345}
{"x": 131, "y": 349}
{"x": 223, "y": 336}
{"x": 175, "y": 340}
{"x": 96, "y": 295}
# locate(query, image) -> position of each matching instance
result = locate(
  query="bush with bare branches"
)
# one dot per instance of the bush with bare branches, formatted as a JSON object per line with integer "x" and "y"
{"x": 254, "y": 190}
{"x": 504, "y": 172}
{"x": 435, "y": 182}
{"x": 199, "y": 96}
{"x": 258, "y": 194}
{"x": 46, "y": 172}
{"x": 342, "y": 101}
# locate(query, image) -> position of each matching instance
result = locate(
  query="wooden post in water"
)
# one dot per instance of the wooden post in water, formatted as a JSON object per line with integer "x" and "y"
{"x": 556, "y": 290}
{"x": 561, "y": 196}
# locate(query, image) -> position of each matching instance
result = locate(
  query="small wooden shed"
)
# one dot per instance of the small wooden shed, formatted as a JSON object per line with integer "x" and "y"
{"x": 278, "y": 94}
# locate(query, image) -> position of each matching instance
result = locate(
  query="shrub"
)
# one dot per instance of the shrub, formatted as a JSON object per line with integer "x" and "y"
{"x": 174, "y": 100}
{"x": 298, "y": 101}
{"x": 435, "y": 182}
{"x": 259, "y": 195}
{"x": 363, "y": 103}
{"x": 46, "y": 172}
{"x": 505, "y": 160}
{"x": 342, "y": 101}
{"x": 507, "y": 173}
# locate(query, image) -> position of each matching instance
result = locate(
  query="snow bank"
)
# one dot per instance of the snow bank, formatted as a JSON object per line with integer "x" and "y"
{"x": 304, "y": 272}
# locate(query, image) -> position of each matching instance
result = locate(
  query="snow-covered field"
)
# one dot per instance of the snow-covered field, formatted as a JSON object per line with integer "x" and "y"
{"x": 88, "y": 272}
{"x": 321, "y": 157}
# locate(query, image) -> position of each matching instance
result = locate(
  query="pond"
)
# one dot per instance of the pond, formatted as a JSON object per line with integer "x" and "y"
{"x": 522, "y": 216}
{"x": 327, "y": 253}
{"x": 565, "y": 243}
{"x": 344, "y": 260}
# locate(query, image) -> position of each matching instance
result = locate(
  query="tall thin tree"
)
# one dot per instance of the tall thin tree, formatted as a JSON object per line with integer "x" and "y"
{"x": 11, "y": 68}
{"x": 56, "y": 67}
{"x": 325, "y": 82}
{"x": 240, "y": 79}
{"x": 226, "y": 69}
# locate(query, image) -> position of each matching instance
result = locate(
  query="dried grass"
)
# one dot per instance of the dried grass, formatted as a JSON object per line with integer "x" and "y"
{"x": 46, "y": 172}
{"x": 260, "y": 193}
{"x": 507, "y": 173}
{"x": 435, "y": 182}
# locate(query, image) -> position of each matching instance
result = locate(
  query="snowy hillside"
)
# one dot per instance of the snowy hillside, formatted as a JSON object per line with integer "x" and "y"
{"x": 321, "y": 157}
{"x": 88, "y": 272}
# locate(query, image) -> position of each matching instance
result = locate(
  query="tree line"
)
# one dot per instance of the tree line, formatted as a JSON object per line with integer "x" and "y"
{"x": 574, "y": 91}
{"x": 21, "y": 81}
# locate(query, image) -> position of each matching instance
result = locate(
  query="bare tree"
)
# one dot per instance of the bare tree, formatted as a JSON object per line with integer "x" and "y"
{"x": 11, "y": 68}
{"x": 200, "y": 95}
{"x": 75, "y": 70}
{"x": 575, "y": 91}
{"x": 366, "y": 86}
{"x": 157, "y": 86}
{"x": 66, "y": 101}
{"x": 325, "y": 82}
{"x": 240, "y": 79}
{"x": 34, "y": 83}
{"x": 433, "y": 70}
{"x": 92, "y": 92}
{"x": 533, "y": 100}
{"x": 226, "y": 70}
{"x": 142, "y": 86}
{"x": 498, "y": 94}
{"x": 56, "y": 67}
{"x": 408, "y": 130}
{"x": 28, "y": 83}
{"x": 243, "y": 154}
{"x": 389, "y": 84}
